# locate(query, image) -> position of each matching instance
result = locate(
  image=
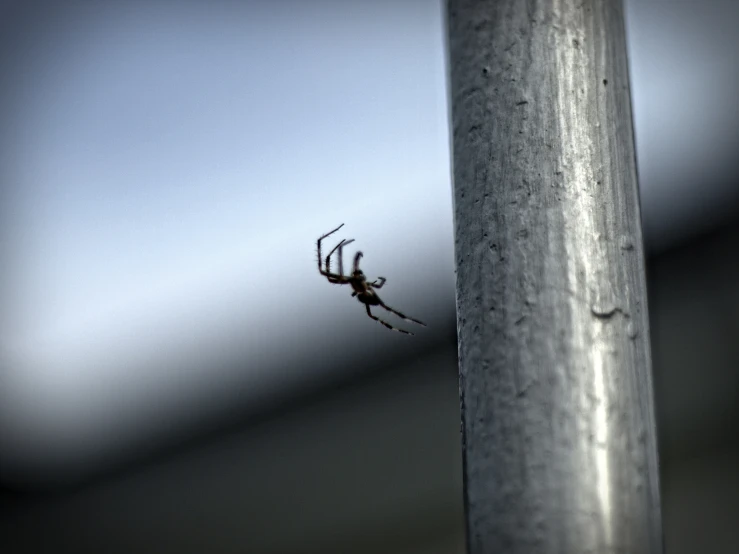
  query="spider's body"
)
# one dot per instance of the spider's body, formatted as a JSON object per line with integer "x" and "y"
{"x": 364, "y": 290}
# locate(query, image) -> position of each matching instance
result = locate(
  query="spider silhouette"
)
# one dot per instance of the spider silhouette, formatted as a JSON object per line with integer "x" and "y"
{"x": 363, "y": 289}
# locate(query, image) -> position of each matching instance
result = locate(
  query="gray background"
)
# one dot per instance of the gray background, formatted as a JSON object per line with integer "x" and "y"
{"x": 175, "y": 374}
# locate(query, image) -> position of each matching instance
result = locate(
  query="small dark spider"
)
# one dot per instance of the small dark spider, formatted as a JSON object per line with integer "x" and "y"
{"x": 363, "y": 289}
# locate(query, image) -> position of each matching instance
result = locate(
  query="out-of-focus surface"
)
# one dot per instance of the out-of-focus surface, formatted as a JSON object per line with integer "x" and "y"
{"x": 168, "y": 168}
{"x": 176, "y": 376}
{"x": 685, "y": 78}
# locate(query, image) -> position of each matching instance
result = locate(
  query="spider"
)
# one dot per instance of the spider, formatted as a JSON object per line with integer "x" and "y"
{"x": 363, "y": 289}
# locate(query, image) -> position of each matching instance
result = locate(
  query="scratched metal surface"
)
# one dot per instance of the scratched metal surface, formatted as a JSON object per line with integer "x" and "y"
{"x": 555, "y": 370}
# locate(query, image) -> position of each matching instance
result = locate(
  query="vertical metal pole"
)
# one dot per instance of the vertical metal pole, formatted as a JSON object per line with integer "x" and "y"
{"x": 555, "y": 371}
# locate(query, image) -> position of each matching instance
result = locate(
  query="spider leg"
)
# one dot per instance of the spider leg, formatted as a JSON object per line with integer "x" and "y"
{"x": 400, "y": 315}
{"x": 320, "y": 267}
{"x": 340, "y": 248}
{"x": 335, "y": 278}
{"x": 332, "y": 277}
{"x": 341, "y": 253}
{"x": 376, "y": 285}
{"x": 357, "y": 257}
{"x": 385, "y": 323}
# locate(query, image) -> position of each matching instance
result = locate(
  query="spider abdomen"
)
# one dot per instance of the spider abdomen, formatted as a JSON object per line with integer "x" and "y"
{"x": 369, "y": 298}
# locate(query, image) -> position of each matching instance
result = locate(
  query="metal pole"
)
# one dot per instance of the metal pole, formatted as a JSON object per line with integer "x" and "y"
{"x": 555, "y": 371}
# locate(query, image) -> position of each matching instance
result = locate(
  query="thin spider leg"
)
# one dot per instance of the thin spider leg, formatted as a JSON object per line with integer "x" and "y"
{"x": 341, "y": 256}
{"x": 385, "y": 323}
{"x": 320, "y": 258}
{"x": 337, "y": 279}
{"x": 378, "y": 286}
{"x": 400, "y": 315}
{"x": 357, "y": 257}
{"x": 340, "y": 248}
{"x": 332, "y": 277}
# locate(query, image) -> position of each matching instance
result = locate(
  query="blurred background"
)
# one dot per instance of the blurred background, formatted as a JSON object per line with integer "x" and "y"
{"x": 175, "y": 376}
